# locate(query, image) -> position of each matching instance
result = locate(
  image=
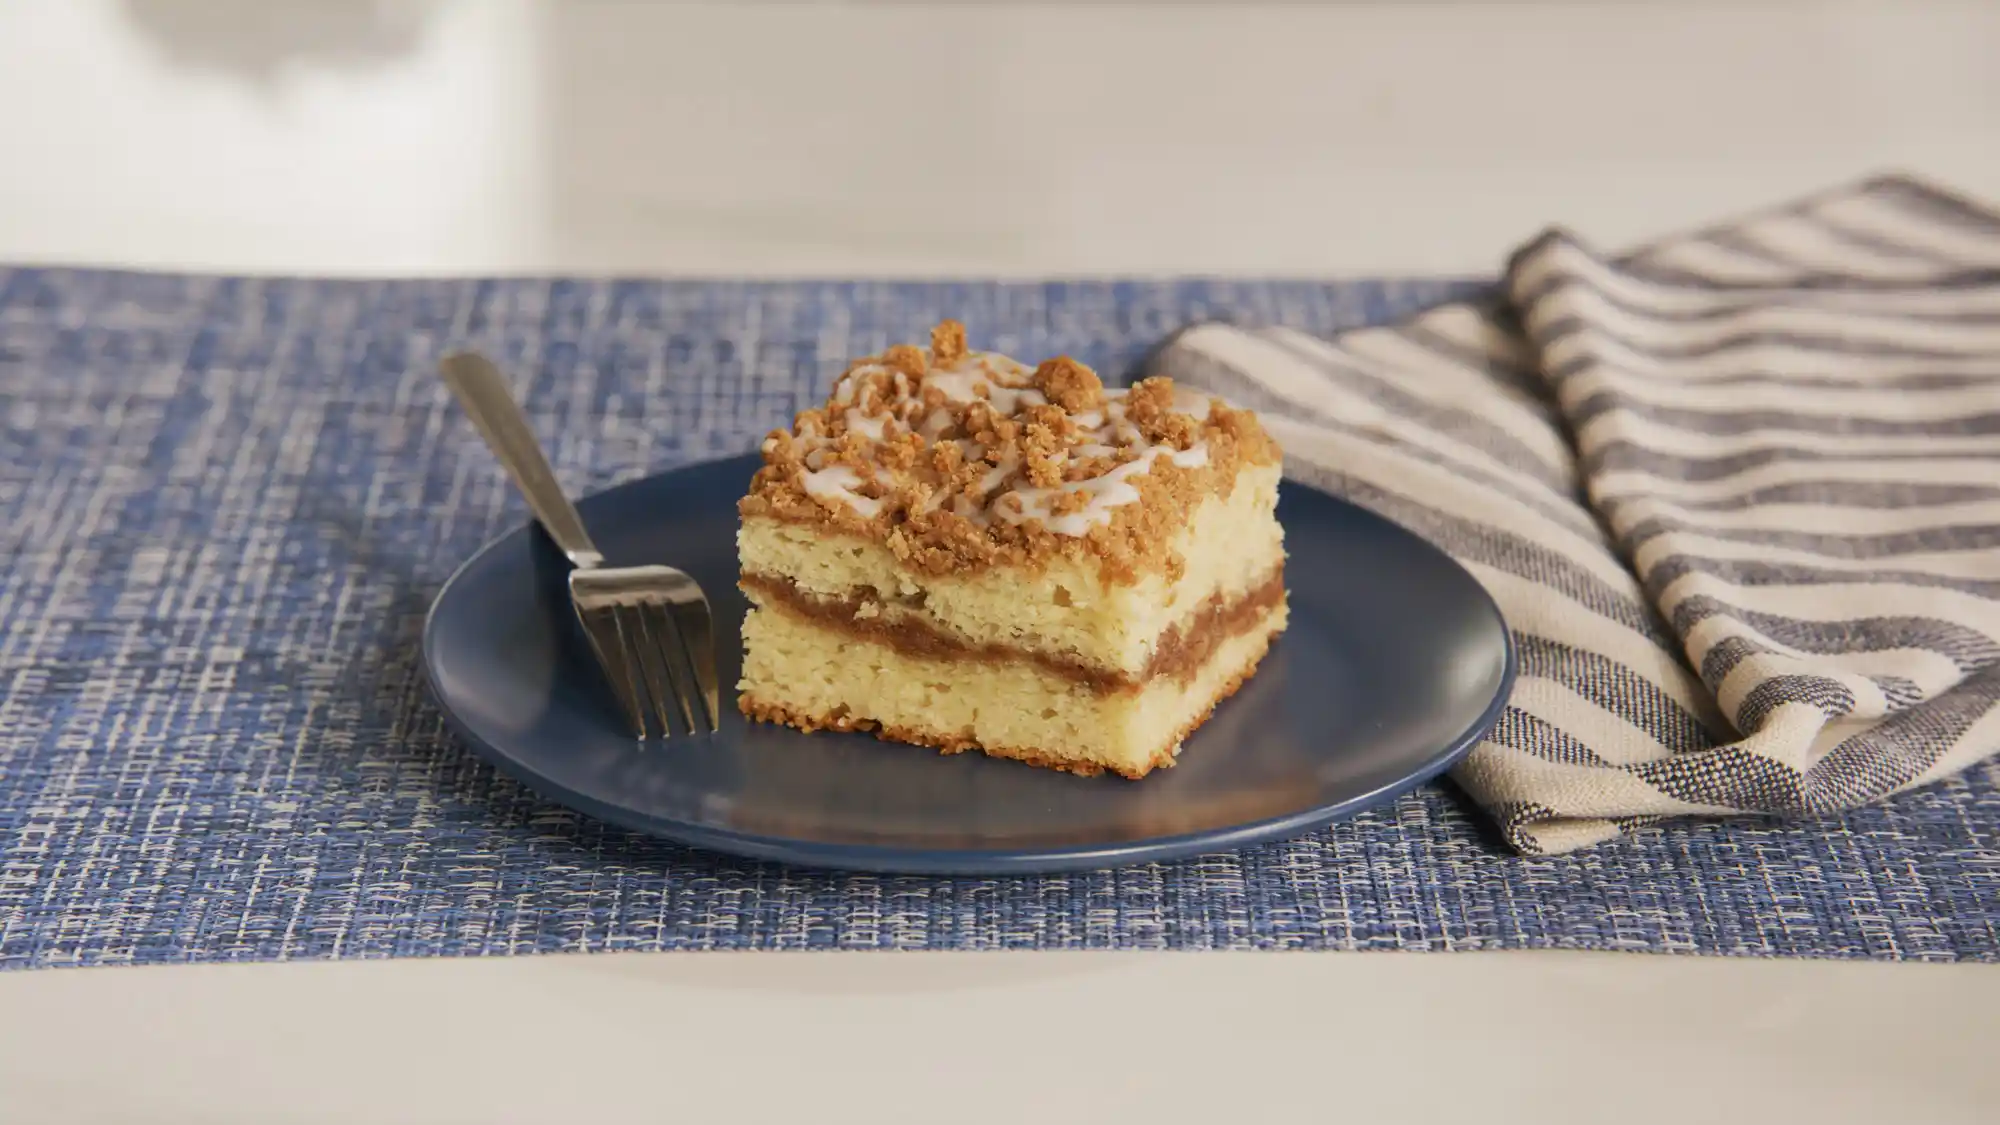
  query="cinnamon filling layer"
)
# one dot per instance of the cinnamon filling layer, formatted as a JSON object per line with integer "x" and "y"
{"x": 1179, "y": 655}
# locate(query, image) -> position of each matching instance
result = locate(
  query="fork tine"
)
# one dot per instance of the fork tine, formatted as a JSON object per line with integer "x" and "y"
{"x": 698, "y": 644}
{"x": 600, "y": 628}
{"x": 665, "y": 638}
{"x": 642, "y": 649}
{"x": 634, "y": 675}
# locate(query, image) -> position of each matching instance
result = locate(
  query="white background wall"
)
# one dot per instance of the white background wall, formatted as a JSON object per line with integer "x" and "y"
{"x": 753, "y": 137}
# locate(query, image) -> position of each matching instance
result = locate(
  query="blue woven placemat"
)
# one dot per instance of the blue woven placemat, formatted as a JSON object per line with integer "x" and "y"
{"x": 225, "y": 505}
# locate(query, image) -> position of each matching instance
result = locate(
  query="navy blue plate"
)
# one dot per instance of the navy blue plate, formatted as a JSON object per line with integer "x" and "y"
{"x": 1395, "y": 663}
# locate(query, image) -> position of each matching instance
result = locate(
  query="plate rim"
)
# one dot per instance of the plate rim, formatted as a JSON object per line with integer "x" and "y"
{"x": 890, "y": 859}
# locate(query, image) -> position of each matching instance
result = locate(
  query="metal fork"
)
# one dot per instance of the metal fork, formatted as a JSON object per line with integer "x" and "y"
{"x": 650, "y": 626}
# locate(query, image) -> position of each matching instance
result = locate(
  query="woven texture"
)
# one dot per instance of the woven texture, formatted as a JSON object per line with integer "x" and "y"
{"x": 226, "y": 504}
{"x": 1737, "y": 494}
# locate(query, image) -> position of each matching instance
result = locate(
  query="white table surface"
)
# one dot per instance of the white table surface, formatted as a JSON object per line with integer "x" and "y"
{"x": 456, "y": 136}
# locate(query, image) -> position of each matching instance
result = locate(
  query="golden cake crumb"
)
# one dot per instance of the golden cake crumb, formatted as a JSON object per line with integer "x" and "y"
{"x": 1070, "y": 385}
{"x": 948, "y": 342}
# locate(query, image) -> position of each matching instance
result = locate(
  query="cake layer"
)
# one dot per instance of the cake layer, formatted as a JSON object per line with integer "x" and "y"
{"x": 799, "y": 672}
{"x": 1179, "y": 653}
{"x": 1066, "y": 609}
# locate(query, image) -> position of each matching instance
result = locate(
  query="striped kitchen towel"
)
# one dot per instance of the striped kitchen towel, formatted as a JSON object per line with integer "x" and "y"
{"x": 1737, "y": 493}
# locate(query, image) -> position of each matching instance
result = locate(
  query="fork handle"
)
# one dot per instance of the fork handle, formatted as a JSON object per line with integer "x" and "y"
{"x": 482, "y": 391}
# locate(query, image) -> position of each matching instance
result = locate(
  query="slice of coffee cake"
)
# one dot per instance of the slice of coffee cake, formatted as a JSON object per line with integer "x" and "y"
{"x": 961, "y": 552}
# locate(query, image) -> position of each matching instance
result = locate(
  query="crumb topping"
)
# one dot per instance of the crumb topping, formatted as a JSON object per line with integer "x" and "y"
{"x": 957, "y": 459}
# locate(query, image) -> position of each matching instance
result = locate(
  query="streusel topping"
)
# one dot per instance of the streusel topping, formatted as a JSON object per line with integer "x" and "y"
{"x": 958, "y": 459}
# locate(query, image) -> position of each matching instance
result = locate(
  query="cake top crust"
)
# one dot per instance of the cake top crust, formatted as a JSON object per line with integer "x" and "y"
{"x": 958, "y": 460}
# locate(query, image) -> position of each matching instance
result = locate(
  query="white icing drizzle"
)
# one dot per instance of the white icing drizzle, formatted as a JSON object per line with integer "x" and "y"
{"x": 937, "y": 422}
{"x": 873, "y": 427}
{"x": 998, "y": 475}
{"x": 1008, "y": 387}
{"x": 1110, "y": 490}
{"x": 838, "y": 482}
{"x": 843, "y": 391}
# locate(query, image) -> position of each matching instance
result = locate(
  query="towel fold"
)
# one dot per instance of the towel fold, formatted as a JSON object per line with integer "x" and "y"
{"x": 1737, "y": 494}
